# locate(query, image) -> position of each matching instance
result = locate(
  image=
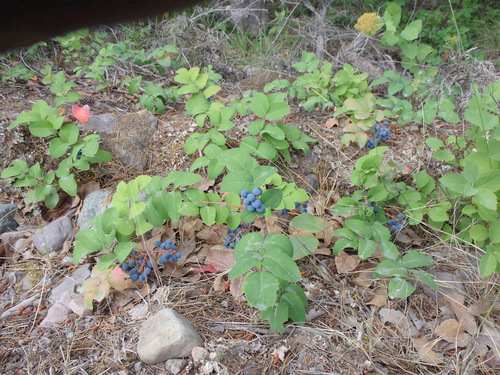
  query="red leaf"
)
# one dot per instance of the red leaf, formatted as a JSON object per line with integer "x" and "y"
{"x": 82, "y": 114}
{"x": 209, "y": 268}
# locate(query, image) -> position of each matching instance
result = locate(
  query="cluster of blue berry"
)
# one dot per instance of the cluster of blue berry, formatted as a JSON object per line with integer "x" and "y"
{"x": 300, "y": 207}
{"x": 138, "y": 266}
{"x": 235, "y": 235}
{"x": 397, "y": 224}
{"x": 380, "y": 133}
{"x": 170, "y": 254}
{"x": 251, "y": 200}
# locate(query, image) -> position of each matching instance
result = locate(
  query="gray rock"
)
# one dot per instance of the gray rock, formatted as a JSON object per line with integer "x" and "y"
{"x": 175, "y": 366}
{"x": 52, "y": 236}
{"x": 94, "y": 204}
{"x": 166, "y": 335}
{"x": 68, "y": 284}
{"x": 312, "y": 183}
{"x": 7, "y": 222}
{"x": 125, "y": 136}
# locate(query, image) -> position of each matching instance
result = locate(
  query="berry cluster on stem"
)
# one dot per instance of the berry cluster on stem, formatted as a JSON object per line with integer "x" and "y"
{"x": 381, "y": 132}
{"x": 251, "y": 201}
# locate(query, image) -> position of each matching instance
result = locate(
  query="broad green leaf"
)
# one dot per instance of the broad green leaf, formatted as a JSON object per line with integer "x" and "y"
{"x": 389, "y": 250}
{"x": 366, "y": 248}
{"x": 68, "y": 184}
{"x": 281, "y": 265}
{"x": 279, "y": 241}
{"x": 488, "y": 264}
{"x": 359, "y": 227}
{"x": 400, "y": 288}
{"x": 189, "y": 209}
{"x": 181, "y": 178}
{"x": 277, "y": 111}
{"x": 69, "y": 133}
{"x": 123, "y": 249}
{"x": 412, "y": 30}
{"x": 416, "y": 259}
{"x": 276, "y": 315}
{"x": 494, "y": 232}
{"x": 307, "y": 223}
{"x": 486, "y": 198}
{"x": 390, "y": 267}
{"x": 57, "y": 148}
{"x": 142, "y": 227}
{"x": 125, "y": 226}
{"x": 303, "y": 245}
{"x": 260, "y": 104}
{"x": 261, "y": 289}
{"x": 42, "y": 129}
{"x": 208, "y": 215}
{"x": 426, "y": 278}
{"x": 478, "y": 232}
{"x": 296, "y": 310}
{"x": 137, "y": 208}
{"x": 272, "y": 198}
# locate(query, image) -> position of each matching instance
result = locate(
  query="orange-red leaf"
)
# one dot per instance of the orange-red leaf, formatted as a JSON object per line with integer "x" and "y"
{"x": 82, "y": 114}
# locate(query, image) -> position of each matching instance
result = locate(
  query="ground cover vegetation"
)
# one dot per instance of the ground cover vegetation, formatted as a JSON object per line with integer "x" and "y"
{"x": 458, "y": 206}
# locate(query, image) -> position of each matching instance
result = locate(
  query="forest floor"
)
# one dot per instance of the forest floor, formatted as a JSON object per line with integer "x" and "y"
{"x": 352, "y": 327}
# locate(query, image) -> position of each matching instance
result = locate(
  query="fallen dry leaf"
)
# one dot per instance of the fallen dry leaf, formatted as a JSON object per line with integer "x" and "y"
{"x": 399, "y": 320}
{"x": 221, "y": 257}
{"x": 204, "y": 184}
{"x": 345, "y": 262}
{"x": 365, "y": 278}
{"x": 451, "y": 331}
{"x": 380, "y": 298}
{"x": 425, "y": 352}
{"x": 480, "y": 307}
{"x": 456, "y": 303}
{"x": 331, "y": 122}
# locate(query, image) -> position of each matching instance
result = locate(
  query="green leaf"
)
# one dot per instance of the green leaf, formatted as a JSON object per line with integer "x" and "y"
{"x": 68, "y": 184}
{"x": 261, "y": 173}
{"x": 272, "y": 198}
{"x": 359, "y": 227}
{"x": 281, "y": 265}
{"x": 296, "y": 309}
{"x": 260, "y": 104}
{"x": 276, "y": 315}
{"x": 412, "y": 30}
{"x": 123, "y": 249}
{"x": 366, "y": 248}
{"x": 454, "y": 181}
{"x": 89, "y": 239}
{"x": 434, "y": 143}
{"x": 142, "y": 227}
{"x": 478, "y": 232}
{"x": 390, "y": 267}
{"x": 261, "y": 289}
{"x": 10, "y": 172}
{"x": 189, "y": 209}
{"x": 389, "y": 250}
{"x": 41, "y": 128}
{"x": 137, "y": 208}
{"x": 279, "y": 241}
{"x": 426, "y": 278}
{"x": 181, "y": 178}
{"x": 277, "y": 111}
{"x": 125, "y": 226}
{"x": 69, "y": 133}
{"x": 416, "y": 259}
{"x": 494, "y": 232}
{"x": 57, "y": 148}
{"x": 438, "y": 214}
{"x": 400, "y": 288}
{"x": 274, "y": 132}
{"x": 208, "y": 215}
{"x": 488, "y": 264}
{"x": 307, "y": 223}
{"x": 303, "y": 245}
{"x": 486, "y": 198}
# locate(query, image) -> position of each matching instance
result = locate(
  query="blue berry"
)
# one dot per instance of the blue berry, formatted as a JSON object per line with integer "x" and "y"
{"x": 134, "y": 277}
{"x": 257, "y": 203}
{"x": 261, "y": 209}
{"x": 244, "y": 193}
{"x": 386, "y": 122}
{"x": 250, "y": 197}
{"x": 251, "y": 208}
{"x": 257, "y": 191}
{"x": 401, "y": 216}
